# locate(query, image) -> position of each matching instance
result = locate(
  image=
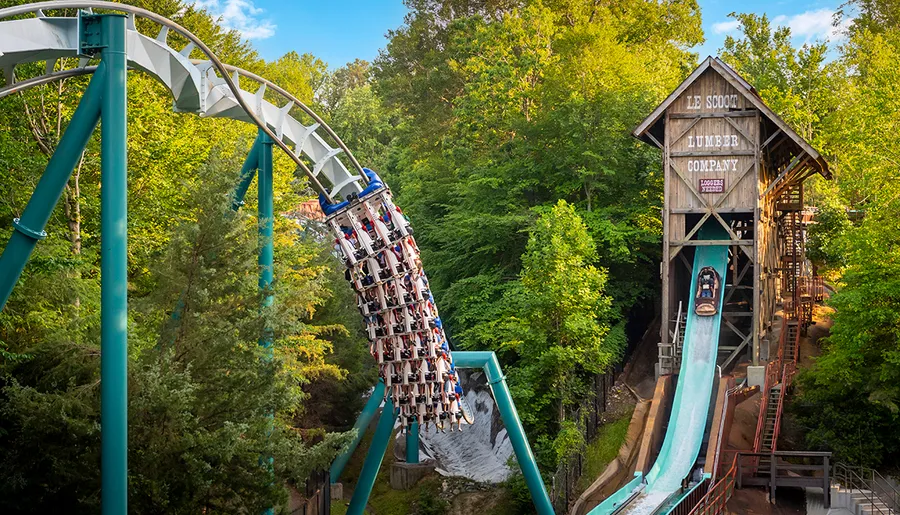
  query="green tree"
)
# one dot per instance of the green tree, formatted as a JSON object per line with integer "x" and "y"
{"x": 201, "y": 390}
{"x": 566, "y": 323}
{"x": 555, "y": 326}
{"x": 850, "y": 399}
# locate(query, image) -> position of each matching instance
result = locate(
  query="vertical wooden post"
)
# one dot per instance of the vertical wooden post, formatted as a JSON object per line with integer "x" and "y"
{"x": 665, "y": 275}
{"x": 772, "y": 472}
{"x": 757, "y": 269}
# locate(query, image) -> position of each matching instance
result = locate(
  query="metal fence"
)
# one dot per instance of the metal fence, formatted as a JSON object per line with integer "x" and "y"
{"x": 316, "y": 497}
{"x": 564, "y": 484}
{"x": 878, "y": 494}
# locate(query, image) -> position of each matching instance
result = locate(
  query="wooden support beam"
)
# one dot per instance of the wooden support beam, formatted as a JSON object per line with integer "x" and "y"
{"x": 770, "y": 138}
{"x": 664, "y": 273}
{"x": 792, "y": 165}
{"x": 701, "y": 153}
{"x": 704, "y": 243}
{"x": 684, "y": 261}
{"x": 744, "y": 134}
{"x": 703, "y": 210}
{"x": 685, "y": 131}
{"x": 757, "y": 311}
{"x": 736, "y": 331}
{"x": 654, "y": 140}
{"x": 732, "y": 114}
{"x": 736, "y": 286}
{"x": 735, "y": 352}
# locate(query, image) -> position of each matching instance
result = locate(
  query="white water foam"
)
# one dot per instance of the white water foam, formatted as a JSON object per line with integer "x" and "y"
{"x": 481, "y": 451}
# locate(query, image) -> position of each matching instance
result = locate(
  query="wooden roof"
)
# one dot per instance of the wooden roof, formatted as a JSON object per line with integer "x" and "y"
{"x": 797, "y": 158}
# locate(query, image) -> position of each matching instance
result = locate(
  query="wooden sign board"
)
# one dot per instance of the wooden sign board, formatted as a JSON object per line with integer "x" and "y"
{"x": 712, "y": 185}
{"x": 711, "y": 134}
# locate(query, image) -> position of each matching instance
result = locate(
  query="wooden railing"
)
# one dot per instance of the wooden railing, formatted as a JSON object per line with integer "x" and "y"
{"x": 786, "y": 469}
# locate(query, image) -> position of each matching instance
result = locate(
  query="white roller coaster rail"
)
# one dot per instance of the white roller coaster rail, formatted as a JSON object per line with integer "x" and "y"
{"x": 208, "y": 88}
{"x": 376, "y": 243}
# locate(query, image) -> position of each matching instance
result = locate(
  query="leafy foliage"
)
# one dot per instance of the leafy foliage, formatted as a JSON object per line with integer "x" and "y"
{"x": 849, "y": 400}
{"x": 201, "y": 390}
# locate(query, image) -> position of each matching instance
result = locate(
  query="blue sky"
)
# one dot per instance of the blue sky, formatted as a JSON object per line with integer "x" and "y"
{"x": 338, "y": 31}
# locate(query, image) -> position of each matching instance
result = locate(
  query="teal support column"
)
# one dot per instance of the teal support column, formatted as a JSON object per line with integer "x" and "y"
{"x": 114, "y": 269}
{"x": 412, "y": 443}
{"x": 29, "y": 228}
{"x": 365, "y": 418}
{"x": 375, "y": 456}
{"x": 266, "y": 218}
{"x": 509, "y": 415}
{"x": 248, "y": 171}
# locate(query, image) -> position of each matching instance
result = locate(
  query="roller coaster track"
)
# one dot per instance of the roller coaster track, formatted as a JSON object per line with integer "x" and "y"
{"x": 47, "y": 32}
{"x": 208, "y": 88}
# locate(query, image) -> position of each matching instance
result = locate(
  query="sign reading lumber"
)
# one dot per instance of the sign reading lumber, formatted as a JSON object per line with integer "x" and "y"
{"x": 712, "y": 185}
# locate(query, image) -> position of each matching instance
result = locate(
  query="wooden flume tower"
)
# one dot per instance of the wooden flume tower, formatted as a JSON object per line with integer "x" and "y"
{"x": 729, "y": 161}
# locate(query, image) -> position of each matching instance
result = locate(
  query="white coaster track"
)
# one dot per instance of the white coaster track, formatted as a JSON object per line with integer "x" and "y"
{"x": 210, "y": 88}
{"x": 207, "y": 88}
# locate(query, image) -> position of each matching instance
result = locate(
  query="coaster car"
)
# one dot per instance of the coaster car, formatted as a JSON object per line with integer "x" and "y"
{"x": 706, "y": 301}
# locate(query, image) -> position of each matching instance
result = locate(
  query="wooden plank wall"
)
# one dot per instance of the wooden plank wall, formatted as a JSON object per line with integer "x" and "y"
{"x": 712, "y": 133}
{"x": 767, "y": 245}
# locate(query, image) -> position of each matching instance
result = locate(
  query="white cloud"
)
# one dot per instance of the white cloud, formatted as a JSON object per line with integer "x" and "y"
{"x": 805, "y": 27}
{"x": 813, "y": 25}
{"x": 724, "y": 27}
{"x": 240, "y": 15}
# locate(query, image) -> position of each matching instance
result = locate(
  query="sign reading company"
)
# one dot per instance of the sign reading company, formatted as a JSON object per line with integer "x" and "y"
{"x": 712, "y": 185}
{"x": 712, "y": 165}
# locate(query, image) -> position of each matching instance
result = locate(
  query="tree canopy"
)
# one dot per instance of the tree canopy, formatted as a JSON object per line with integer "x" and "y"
{"x": 503, "y": 128}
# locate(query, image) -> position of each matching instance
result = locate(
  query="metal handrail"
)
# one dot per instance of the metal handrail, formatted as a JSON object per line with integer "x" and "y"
{"x": 687, "y": 498}
{"x": 786, "y": 377}
{"x": 677, "y": 340}
{"x": 849, "y": 478}
{"x": 713, "y": 502}
{"x": 677, "y": 328}
{"x": 894, "y": 492}
{"x": 877, "y": 483}
{"x": 771, "y": 376}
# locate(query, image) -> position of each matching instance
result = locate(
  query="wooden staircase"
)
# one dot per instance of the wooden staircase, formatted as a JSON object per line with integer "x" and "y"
{"x": 773, "y": 402}
{"x": 791, "y": 341}
{"x": 793, "y": 252}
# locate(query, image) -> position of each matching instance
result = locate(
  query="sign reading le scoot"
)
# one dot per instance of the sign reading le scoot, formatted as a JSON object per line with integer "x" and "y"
{"x": 712, "y": 185}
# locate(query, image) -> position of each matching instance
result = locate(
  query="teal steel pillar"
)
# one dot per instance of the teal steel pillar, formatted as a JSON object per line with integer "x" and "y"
{"x": 374, "y": 457}
{"x": 114, "y": 270}
{"x": 29, "y": 228}
{"x": 509, "y": 415}
{"x": 412, "y": 443}
{"x": 248, "y": 171}
{"x": 365, "y": 418}
{"x": 266, "y": 219}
